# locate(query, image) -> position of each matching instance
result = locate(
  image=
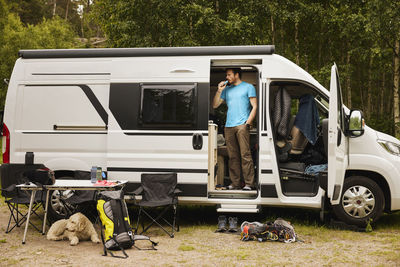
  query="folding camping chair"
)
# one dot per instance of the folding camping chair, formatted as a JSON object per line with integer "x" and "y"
{"x": 16, "y": 198}
{"x": 158, "y": 191}
{"x": 83, "y": 201}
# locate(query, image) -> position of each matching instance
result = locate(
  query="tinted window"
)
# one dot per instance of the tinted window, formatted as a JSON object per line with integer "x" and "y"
{"x": 168, "y": 106}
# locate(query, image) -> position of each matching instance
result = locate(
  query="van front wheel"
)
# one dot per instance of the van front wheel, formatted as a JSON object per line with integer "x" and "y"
{"x": 362, "y": 199}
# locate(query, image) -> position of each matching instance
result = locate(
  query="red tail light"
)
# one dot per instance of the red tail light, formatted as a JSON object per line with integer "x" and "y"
{"x": 6, "y": 144}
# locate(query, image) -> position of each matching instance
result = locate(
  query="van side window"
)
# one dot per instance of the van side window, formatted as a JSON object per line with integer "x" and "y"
{"x": 168, "y": 106}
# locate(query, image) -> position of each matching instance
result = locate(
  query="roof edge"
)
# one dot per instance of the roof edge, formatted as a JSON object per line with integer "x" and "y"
{"x": 148, "y": 51}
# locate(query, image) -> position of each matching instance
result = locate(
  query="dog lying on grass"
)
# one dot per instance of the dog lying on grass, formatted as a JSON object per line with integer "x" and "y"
{"x": 77, "y": 227}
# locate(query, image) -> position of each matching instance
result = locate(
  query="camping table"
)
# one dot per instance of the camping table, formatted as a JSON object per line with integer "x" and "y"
{"x": 64, "y": 185}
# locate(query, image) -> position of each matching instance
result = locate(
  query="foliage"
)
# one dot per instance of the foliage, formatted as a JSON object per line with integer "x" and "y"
{"x": 357, "y": 35}
{"x": 360, "y": 36}
{"x": 50, "y": 33}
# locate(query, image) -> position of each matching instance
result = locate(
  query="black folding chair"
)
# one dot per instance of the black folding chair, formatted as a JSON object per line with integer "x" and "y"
{"x": 83, "y": 201}
{"x": 16, "y": 198}
{"x": 159, "y": 194}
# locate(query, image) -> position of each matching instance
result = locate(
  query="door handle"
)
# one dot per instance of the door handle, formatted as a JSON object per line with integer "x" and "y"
{"x": 197, "y": 141}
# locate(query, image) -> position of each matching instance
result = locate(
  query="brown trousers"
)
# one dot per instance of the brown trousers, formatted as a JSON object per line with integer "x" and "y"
{"x": 238, "y": 145}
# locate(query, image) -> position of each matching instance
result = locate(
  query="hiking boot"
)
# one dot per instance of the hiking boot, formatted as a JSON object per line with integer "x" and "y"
{"x": 221, "y": 223}
{"x": 246, "y": 188}
{"x": 233, "y": 224}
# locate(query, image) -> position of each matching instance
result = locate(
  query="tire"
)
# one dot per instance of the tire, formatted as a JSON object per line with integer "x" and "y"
{"x": 58, "y": 207}
{"x": 361, "y": 200}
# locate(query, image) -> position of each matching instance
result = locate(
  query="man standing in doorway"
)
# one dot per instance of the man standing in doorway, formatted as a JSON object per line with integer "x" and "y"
{"x": 241, "y": 100}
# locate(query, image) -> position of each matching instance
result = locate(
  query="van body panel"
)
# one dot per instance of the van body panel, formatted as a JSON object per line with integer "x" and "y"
{"x": 374, "y": 158}
{"x": 133, "y": 147}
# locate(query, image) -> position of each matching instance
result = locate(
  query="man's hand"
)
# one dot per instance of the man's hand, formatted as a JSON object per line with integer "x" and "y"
{"x": 221, "y": 86}
{"x": 217, "y": 98}
{"x": 248, "y": 126}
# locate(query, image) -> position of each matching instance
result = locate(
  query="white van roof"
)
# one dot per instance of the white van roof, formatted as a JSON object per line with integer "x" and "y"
{"x": 148, "y": 52}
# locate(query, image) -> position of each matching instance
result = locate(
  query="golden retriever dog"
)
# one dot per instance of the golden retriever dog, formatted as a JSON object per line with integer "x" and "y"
{"x": 77, "y": 227}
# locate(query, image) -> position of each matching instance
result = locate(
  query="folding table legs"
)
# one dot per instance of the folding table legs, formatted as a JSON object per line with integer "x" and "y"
{"x": 29, "y": 215}
{"x": 45, "y": 212}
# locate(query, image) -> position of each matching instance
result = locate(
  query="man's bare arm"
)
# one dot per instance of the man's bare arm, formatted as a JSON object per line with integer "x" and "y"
{"x": 217, "y": 98}
{"x": 253, "y": 102}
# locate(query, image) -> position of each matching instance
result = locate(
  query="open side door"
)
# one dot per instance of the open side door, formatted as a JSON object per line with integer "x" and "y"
{"x": 337, "y": 141}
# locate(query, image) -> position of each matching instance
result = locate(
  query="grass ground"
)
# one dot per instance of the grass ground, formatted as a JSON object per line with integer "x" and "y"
{"x": 197, "y": 244}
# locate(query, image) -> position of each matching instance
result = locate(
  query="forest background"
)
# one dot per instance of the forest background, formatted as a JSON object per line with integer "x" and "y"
{"x": 361, "y": 36}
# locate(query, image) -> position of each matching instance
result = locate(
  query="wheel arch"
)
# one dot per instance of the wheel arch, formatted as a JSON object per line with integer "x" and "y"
{"x": 377, "y": 178}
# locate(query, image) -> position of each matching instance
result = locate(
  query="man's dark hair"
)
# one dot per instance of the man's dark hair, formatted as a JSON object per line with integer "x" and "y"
{"x": 236, "y": 70}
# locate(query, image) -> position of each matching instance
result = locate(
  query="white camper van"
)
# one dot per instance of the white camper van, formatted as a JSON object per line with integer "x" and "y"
{"x": 149, "y": 110}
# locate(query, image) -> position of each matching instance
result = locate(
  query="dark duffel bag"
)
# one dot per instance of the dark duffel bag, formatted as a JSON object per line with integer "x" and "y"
{"x": 42, "y": 176}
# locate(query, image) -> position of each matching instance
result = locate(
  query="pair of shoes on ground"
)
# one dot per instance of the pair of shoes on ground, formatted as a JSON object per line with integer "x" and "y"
{"x": 245, "y": 188}
{"x": 231, "y": 227}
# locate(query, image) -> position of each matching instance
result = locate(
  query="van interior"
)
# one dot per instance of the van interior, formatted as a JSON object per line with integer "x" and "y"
{"x": 299, "y": 121}
{"x": 301, "y": 158}
{"x": 218, "y": 116}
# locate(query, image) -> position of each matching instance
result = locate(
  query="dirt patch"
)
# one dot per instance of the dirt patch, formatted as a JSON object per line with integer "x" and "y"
{"x": 198, "y": 245}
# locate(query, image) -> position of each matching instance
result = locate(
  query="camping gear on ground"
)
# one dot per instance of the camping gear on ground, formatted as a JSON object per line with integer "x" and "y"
{"x": 158, "y": 190}
{"x": 279, "y": 230}
{"x": 114, "y": 217}
{"x": 221, "y": 224}
{"x": 227, "y": 225}
{"x": 233, "y": 224}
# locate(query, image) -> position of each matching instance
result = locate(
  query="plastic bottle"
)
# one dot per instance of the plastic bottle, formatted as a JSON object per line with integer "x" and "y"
{"x": 93, "y": 173}
{"x": 98, "y": 174}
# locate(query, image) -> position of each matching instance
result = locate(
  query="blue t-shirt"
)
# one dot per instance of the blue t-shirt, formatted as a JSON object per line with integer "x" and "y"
{"x": 237, "y": 99}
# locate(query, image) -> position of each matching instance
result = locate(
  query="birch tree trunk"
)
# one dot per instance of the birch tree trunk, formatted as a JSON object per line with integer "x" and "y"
{"x": 296, "y": 39}
{"x": 381, "y": 107}
{"x": 54, "y": 7}
{"x": 396, "y": 79}
{"x": 272, "y": 29}
{"x": 66, "y": 10}
{"x": 369, "y": 90}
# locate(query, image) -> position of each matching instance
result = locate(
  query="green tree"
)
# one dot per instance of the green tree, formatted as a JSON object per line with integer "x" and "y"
{"x": 51, "y": 33}
{"x": 384, "y": 23}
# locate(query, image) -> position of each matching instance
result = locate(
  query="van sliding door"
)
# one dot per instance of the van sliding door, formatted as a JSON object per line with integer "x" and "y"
{"x": 158, "y": 122}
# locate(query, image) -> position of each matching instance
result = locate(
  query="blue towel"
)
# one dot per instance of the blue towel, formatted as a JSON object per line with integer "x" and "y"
{"x": 307, "y": 118}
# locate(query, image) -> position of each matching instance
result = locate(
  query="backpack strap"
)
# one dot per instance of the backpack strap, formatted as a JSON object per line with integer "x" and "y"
{"x": 122, "y": 249}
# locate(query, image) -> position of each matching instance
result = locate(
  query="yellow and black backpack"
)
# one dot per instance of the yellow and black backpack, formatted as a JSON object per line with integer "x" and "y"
{"x": 114, "y": 217}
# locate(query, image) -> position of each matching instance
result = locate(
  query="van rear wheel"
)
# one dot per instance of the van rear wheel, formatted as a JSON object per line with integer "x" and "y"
{"x": 58, "y": 207}
{"x": 362, "y": 199}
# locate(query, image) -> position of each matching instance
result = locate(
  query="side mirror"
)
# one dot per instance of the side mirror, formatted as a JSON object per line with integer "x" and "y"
{"x": 356, "y": 123}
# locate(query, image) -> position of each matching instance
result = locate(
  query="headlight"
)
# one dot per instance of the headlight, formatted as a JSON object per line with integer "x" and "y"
{"x": 390, "y": 147}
